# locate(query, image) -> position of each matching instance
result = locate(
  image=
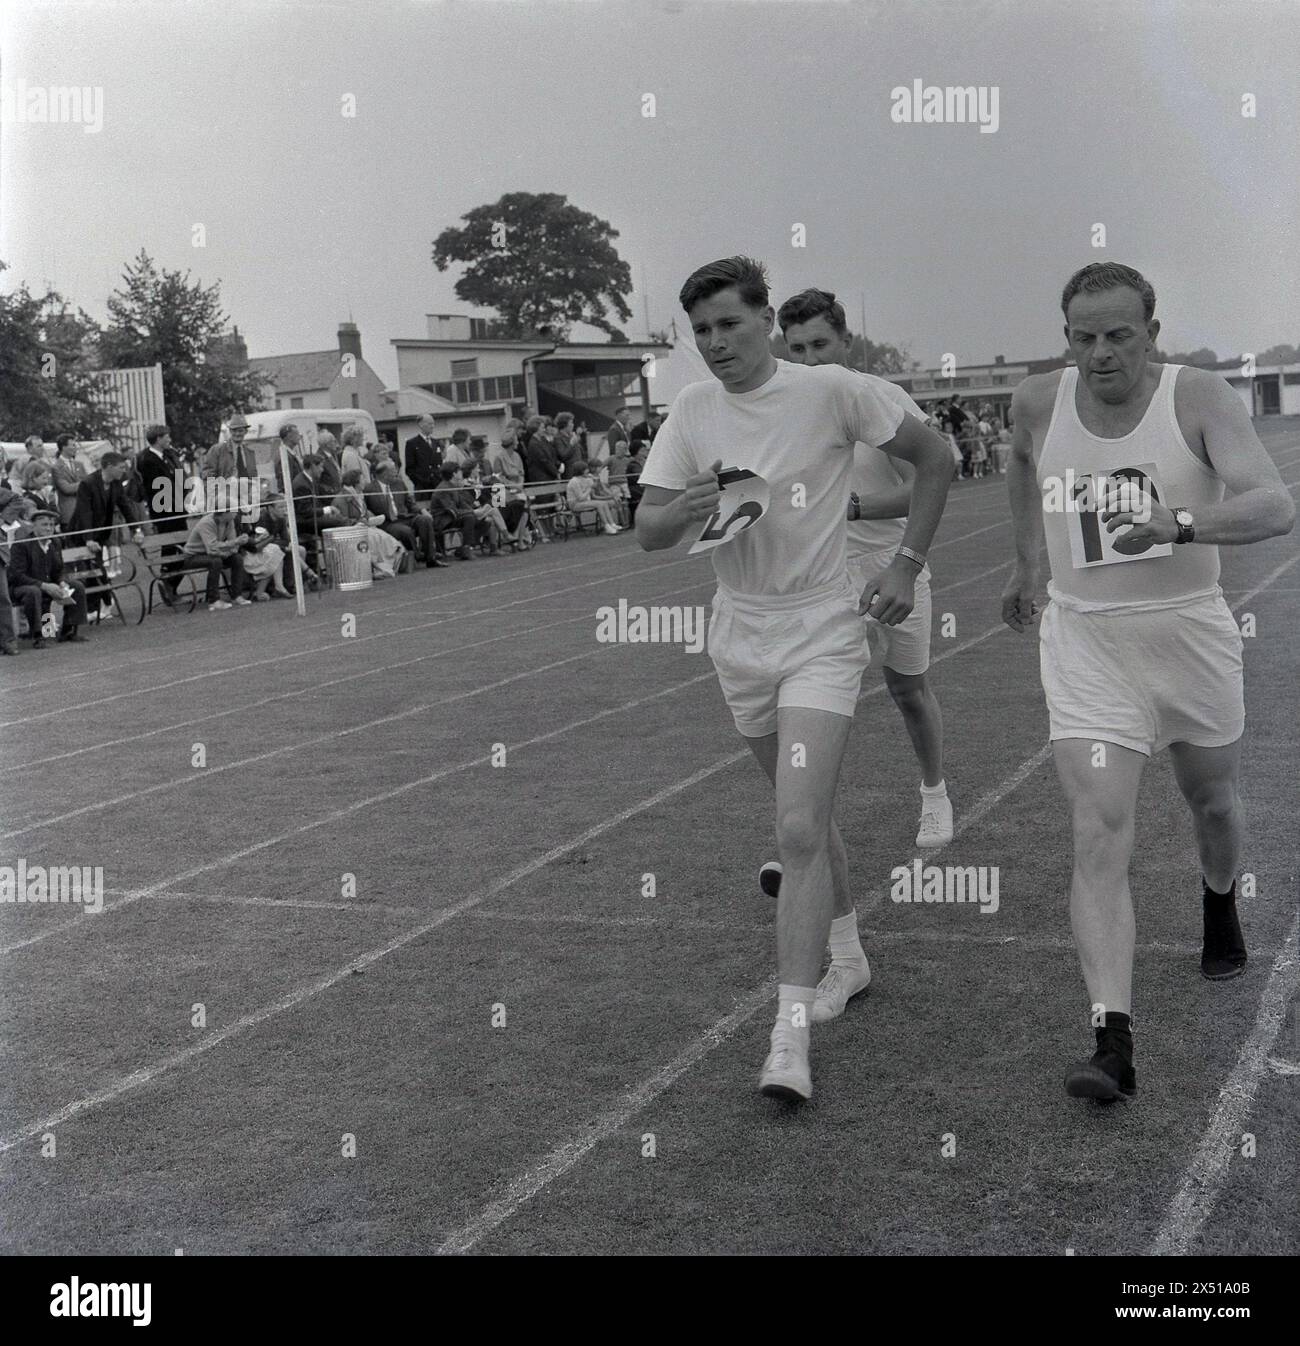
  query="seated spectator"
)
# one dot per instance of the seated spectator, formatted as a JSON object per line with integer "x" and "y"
{"x": 583, "y": 498}
{"x": 263, "y": 559}
{"x": 327, "y": 450}
{"x": 36, "y": 581}
{"x": 402, "y": 517}
{"x": 311, "y": 505}
{"x": 478, "y": 468}
{"x": 275, "y": 519}
{"x": 353, "y": 458}
{"x": 386, "y": 552}
{"x": 13, "y": 527}
{"x": 217, "y": 541}
{"x": 617, "y": 464}
{"x": 453, "y": 507}
{"x": 38, "y": 484}
{"x": 69, "y": 472}
{"x": 509, "y": 466}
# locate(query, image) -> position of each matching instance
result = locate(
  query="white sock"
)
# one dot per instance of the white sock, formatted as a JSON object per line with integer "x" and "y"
{"x": 792, "y": 999}
{"x": 846, "y": 947}
{"x": 939, "y": 791}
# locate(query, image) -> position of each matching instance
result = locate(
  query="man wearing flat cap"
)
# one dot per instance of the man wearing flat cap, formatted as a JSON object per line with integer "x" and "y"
{"x": 36, "y": 580}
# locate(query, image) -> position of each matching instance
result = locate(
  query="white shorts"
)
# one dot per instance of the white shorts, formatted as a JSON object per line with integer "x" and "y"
{"x": 1144, "y": 679}
{"x": 906, "y": 647}
{"x": 807, "y": 649}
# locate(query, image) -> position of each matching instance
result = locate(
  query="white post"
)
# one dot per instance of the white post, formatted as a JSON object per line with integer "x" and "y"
{"x": 293, "y": 531}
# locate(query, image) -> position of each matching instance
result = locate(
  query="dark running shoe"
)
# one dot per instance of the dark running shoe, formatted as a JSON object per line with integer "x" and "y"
{"x": 1106, "y": 1077}
{"x": 769, "y": 878}
{"x": 1223, "y": 952}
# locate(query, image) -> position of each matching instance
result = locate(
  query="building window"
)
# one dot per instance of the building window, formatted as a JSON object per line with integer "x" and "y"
{"x": 443, "y": 390}
{"x": 611, "y": 385}
{"x": 355, "y": 403}
{"x": 585, "y": 389}
{"x": 998, "y": 379}
{"x": 295, "y": 404}
{"x": 517, "y": 386}
{"x": 464, "y": 369}
{"x": 466, "y": 390}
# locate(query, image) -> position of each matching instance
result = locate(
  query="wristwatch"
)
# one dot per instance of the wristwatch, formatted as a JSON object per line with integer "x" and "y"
{"x": 1186, "y": 532}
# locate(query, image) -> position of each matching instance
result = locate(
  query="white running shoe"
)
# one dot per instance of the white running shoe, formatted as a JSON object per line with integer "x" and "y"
{"x": 242, "y": 602}
{"x": 840, "y": 984}
{"x": 219, "y": 606}
{"x": 786, "y": 1073}
{"x": 936, "y": 822}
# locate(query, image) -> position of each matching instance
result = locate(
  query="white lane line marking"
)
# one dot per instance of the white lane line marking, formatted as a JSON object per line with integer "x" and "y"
{"x": 1208, "y": 1171}
{"x": 138, "y": 1078}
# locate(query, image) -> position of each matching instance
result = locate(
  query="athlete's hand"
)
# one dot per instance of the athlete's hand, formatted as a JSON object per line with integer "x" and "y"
{"x": 1151, "y": 525}
{"x": 1019, "y": 604}
{"x": 890, "y": 597}
{"x": 700, "y": 498}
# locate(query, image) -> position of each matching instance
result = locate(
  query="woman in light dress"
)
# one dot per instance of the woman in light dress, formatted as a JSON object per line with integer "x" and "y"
{"x": 386, "y": 552}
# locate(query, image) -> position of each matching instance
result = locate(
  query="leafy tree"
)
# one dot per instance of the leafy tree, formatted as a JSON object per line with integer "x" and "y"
{"x": 47, "y": 352}
{"x": 162, "y": 317}
{"x": 1279, "y": 355}
{"x": 539, "y": 262}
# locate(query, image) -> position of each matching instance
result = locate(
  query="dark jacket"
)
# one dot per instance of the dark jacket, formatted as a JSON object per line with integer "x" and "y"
{"x": 150, "y": 469}
{"x": 97, "y": 500}
{"x": 309, "y": 501}
{"x": 541, "y": 461}
{"x": 423, "y": 459}
{"x": 28, "y": 564}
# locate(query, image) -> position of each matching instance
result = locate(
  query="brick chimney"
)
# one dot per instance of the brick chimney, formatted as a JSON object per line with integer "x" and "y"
{"x": 349, "y": 339}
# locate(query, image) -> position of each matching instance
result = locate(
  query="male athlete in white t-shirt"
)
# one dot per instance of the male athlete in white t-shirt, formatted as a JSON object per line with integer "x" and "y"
{"x": 1138, "y": 649}
{"x": 786, "y": 636}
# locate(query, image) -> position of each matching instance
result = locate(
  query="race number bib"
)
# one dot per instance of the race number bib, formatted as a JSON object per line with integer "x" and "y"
{"x": 742, "y": 503}
{"x": 1125, "y": 489}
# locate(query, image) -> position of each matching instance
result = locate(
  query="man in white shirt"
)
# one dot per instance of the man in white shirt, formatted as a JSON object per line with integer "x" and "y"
{"x": 787, "y": 637}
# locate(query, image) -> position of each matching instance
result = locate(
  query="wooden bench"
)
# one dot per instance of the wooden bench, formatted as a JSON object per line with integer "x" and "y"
{"x": 168, "y": 566}
{"x": 89, "y": 568}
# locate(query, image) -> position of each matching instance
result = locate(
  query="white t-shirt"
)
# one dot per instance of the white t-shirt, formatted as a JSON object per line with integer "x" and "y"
{"x": 796, "y": 431}
{"x": 874, "y": 473}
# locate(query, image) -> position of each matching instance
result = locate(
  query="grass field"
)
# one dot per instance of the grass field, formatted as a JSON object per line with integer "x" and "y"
{"x": 487, "y": 890}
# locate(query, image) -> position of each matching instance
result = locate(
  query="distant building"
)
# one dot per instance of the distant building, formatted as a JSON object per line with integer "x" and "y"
{"x": 322, "y": 379}
{"x": 1273, "y": 390}
{"x": 466, "y": 363}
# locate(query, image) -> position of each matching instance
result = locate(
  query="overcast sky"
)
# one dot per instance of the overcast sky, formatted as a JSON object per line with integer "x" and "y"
{"x": 228, "y": 114}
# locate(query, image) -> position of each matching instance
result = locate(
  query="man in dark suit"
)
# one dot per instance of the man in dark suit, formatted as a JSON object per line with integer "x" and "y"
{"x": 648, "y": 428}
{"x": 331, "y": 469}
{"x": 36, "y": 580}
{"x": 293, "y": 445}
{"x": 423, "y": 459}
{"x": 157, "y": 467}
{"x": 99, "y": 497}
{"x": 453, "y": 507}
{"x": 311, "y": 505}
{"x": 403, "y": 518}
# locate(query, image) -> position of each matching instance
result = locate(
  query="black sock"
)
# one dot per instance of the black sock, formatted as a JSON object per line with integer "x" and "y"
{"x": 1116, "y": 1034}
{"x": 1218, "y": 903}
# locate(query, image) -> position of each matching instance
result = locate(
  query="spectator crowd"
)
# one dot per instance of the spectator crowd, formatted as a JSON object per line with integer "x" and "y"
{"x": 437, "y": 501}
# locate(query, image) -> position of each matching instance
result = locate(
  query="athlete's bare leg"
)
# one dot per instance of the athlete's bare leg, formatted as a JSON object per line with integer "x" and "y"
{"x": 919, "y": 708}
{"x": 1101, "y": 782}
{"x": 765, "y": 751}
{"x": 1208, "y": 779}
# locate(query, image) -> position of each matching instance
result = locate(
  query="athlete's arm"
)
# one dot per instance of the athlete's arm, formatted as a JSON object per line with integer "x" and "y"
{"x": 663, "y": 516}
{"x": 891, "y": 594}
{"x": 1018, "y": 605}
{"x": 1259, "y": 504}
{"x": 894, "y": 503}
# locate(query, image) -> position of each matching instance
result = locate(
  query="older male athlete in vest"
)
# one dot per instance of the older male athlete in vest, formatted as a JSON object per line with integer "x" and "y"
{"x": 1139, "y": 472}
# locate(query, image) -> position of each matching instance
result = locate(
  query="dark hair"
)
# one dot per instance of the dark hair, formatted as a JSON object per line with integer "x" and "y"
{"x": 285, "y": 428}
{"x": 312, "y": 460}
{"x": 810, "y": 304}
{"x": 352, "y": 477}
{"x": 154, "y": 433}
{"x": 564, "y": 419}
{"x": 458, "y": 435}
{"x": 1099, "y": 276}
{"x": 63, "y": 441}
{"x": 579, "y": 466}
{"x": 746, "y": 276}
{"x": 448, "y": 470}
{"x": 111, "y": 459}
{"x": 635, "y": 446}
